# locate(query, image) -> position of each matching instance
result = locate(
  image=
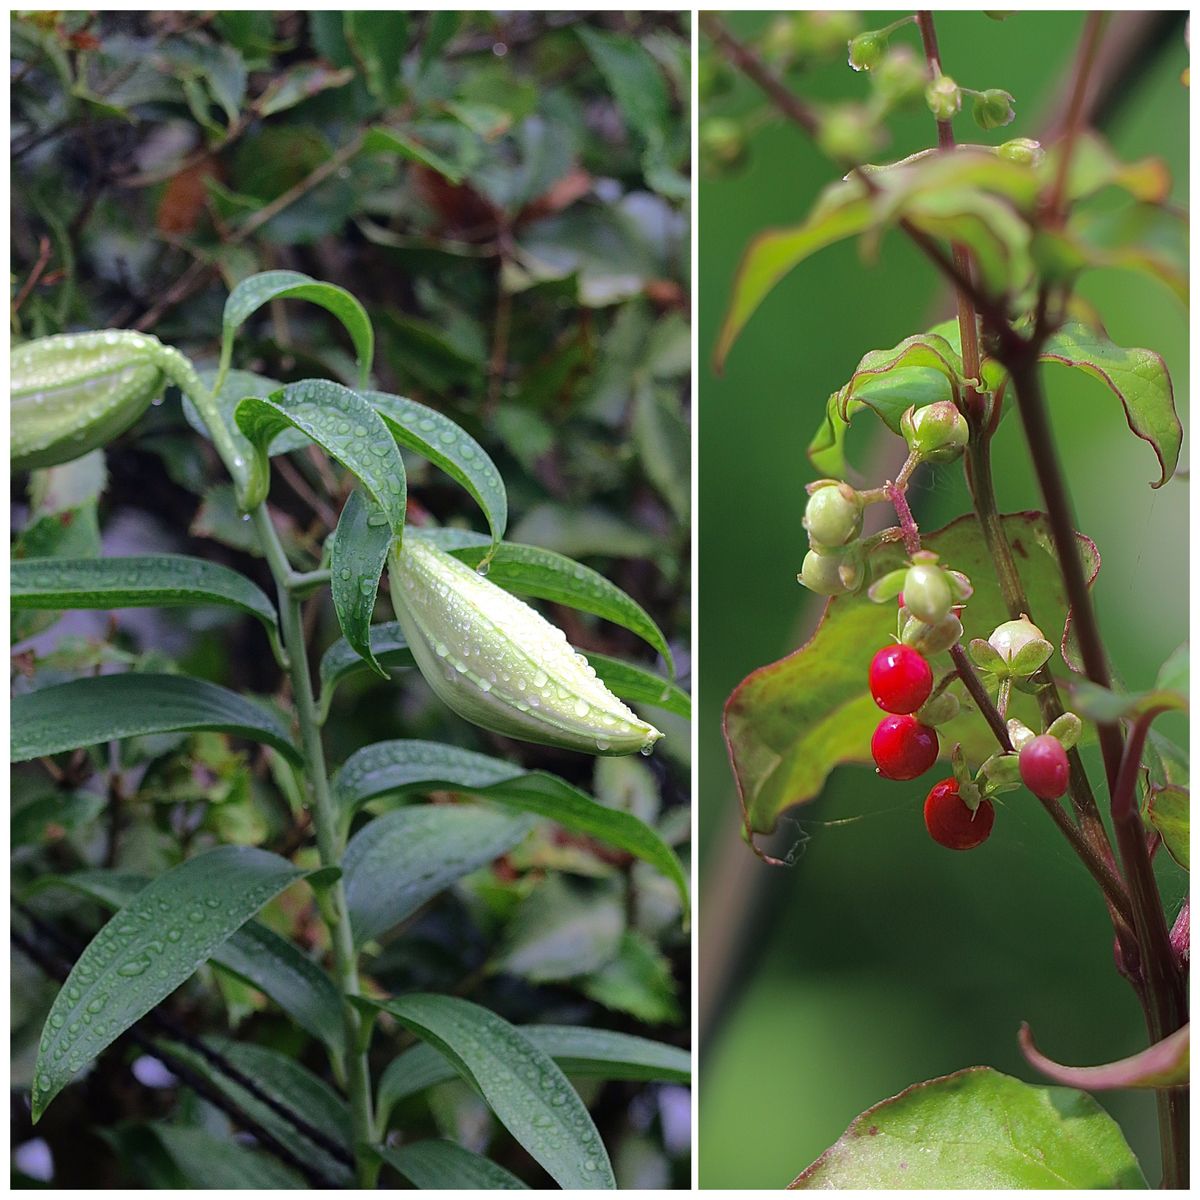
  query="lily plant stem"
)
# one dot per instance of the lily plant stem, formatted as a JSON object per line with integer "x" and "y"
{"x": 333, "y": 906}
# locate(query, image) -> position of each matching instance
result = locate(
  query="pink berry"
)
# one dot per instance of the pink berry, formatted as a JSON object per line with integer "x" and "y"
{"x": 951, "y": 823}
{"x": 900, "y": 679}
{"x": 1045, "y": 770}
{"x": 903, "y": 748}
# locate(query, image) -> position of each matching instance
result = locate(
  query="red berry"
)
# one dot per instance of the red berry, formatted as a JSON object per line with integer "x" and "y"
{"x": 1045, "y": 770}
{"x": 900, "y": 679}
{"x": 903, "y": 748}
{"x": 951, "y": 823}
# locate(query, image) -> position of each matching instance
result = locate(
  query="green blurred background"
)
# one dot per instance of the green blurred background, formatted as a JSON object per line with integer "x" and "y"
{"x": 881, "y": 960}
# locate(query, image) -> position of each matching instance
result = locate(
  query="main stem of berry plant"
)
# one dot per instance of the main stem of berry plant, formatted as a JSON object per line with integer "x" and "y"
{"x": 333, "y": 907}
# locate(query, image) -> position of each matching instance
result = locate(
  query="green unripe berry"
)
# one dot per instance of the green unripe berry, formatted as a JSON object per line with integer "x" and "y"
{"x": 930, "y": 639}
{"x": 834, "y": 515}
{"x": 832, "y": 573}
{"x": 784, "y": 39}
{"x": 927, "y": 593}
{"x": 900, "y": 77}
{"x": 867, "y": 49}
{"x": 1022, "y": 150}
{"x": 943, "y": 97}
{"x": 993, "y": 109}
{"x": 939, "y": 710}
{"x": 714, "y": 79}
{"x": 723, "y": 142}
{"x": 847, "y": 133}
{"x": 937, "y": 432}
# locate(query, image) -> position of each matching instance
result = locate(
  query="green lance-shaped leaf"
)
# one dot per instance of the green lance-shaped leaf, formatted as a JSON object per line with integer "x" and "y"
{"x": 545, "y": 575}
{"x": 86, "y": 712}
{"x": 74, "y": 392}
{"x": 341, "y": 660}
{"x": 636, "y": 685}
{"x": 500, "y": 664}
{"x": 448, "y": 446}
{"x": 360, "y": 548}
{"x": 147, "y": 950}
{"x": 207, "y": 1161}
{"x": 439, "y": 1164}
{"x": 520, "y": 1083}
{"x": 344, "y": 425}
{"x": 978, "y": 1129}
{"x": 1138, "y": 378}
{"x": 398, "y": 861}
{"x": 587, "y": 1053}
{"x": 1165, "y": 1064}
{"x": 380, "y": 139}
{"x": 790, "y": 723}
{"x": 235, "y": 387}
{"x": 841, "y": 211}
{"x": 251, "y": 294}
{"x": 292, "y": 1087}
{"x": 391, "y": 768}
{"x": 255, "y": 954}
{"x": 144, "y": 581}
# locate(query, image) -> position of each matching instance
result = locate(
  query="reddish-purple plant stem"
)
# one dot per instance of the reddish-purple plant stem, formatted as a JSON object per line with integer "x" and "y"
{"x": 908, "y": 526}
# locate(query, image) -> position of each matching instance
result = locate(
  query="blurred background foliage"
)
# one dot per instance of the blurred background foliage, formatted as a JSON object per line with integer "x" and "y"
{"x": 880, "y": 959}
{"x": 507, "y": 193}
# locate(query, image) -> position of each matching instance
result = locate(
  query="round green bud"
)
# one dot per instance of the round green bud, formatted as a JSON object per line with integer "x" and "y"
{"x": 900, "y": 77}
{"x": 927, "y": 593}
{"x": 939, "y": 710}
{"x": 993, "y": 109}
{"x": 943, "y": 97}
{"x": 1022, "y": 150}
{"x": 784, "y": 39}
{"x": 834, "y": 515}
{"x": 1021, "y": 645}
{"x": 723, "y": 142}
{"x": 867, "y": 49}
{"x": 847, "y": 133}
{"x": 831, "y": 573}
{"x": 937, "y": 432}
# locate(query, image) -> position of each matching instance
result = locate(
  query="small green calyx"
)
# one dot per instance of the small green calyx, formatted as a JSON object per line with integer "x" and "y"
{"x": 833, "y": 515}
{"x": 937, "y": 432}
{"x": 939, "y": 709}
{"x": 944, "y": 97}
{"x": 499, "y": 663}
{"x": 72, "y": 393}
{"x": 1068, "y": 729}
{"x": 1020, "y": 647}
{"x": 722, "y": 143}
{"x": 929, "y": 639}
{"x": 848, "y": 133}
{"x": 899, "y": 78}
{"x": 832, "y": 572}
{"x": 994, "y": 108}
{"x": 1022, "y": 150}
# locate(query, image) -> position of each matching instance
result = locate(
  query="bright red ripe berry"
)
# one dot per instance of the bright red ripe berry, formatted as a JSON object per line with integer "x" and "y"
{"x": 900, "y": 679}
{"x": 903, "y": 748}
{"x": 1045, "y": 770}
{"x": 951, "y": 823}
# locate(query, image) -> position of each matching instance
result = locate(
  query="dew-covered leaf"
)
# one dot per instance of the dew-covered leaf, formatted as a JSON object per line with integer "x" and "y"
{"x": 388, "y": 768}
{"x": 1165, "y": 1064}
{"x": 254, "y": 953}
{"x": 978, "y": 1129}
{"x": 398, "y": 861}
{"x": 344, "y": 425}
{"x": 252, "y": 294}
{"x": 448, "y": 446}
{"x": 103, "y": 708}
{"x": 446, "y": 1166}
{"x": 235, "y": 387}
{"x": 293, "y": 1088}
{"x": 146, "y": 581}
{"x": 520, "y": 1083}
{"x": 1138, "y": 378}
{"x": 635, "y": 685}
{"x": 341, "y": 660}
{"x": 790, "y": 723}
{"x": 360, "y": 549}
{"x": 147, "y": 950}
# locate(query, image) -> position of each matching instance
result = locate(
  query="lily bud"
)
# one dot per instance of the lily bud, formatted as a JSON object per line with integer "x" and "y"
{"x": 72, "y": 393}
{"x": 499, "y": 663}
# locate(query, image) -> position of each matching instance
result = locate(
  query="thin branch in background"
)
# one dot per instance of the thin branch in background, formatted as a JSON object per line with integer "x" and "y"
{"x": 45, "y": 253}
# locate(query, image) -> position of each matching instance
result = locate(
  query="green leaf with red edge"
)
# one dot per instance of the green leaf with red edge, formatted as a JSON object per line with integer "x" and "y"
{"x": 979, "y": 1129}
{"x": 789, "y": 724}
{"x": 1138, "y": 378}
{"x": 1094, "y": 167}
{"x": 1165, "y": 1064}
